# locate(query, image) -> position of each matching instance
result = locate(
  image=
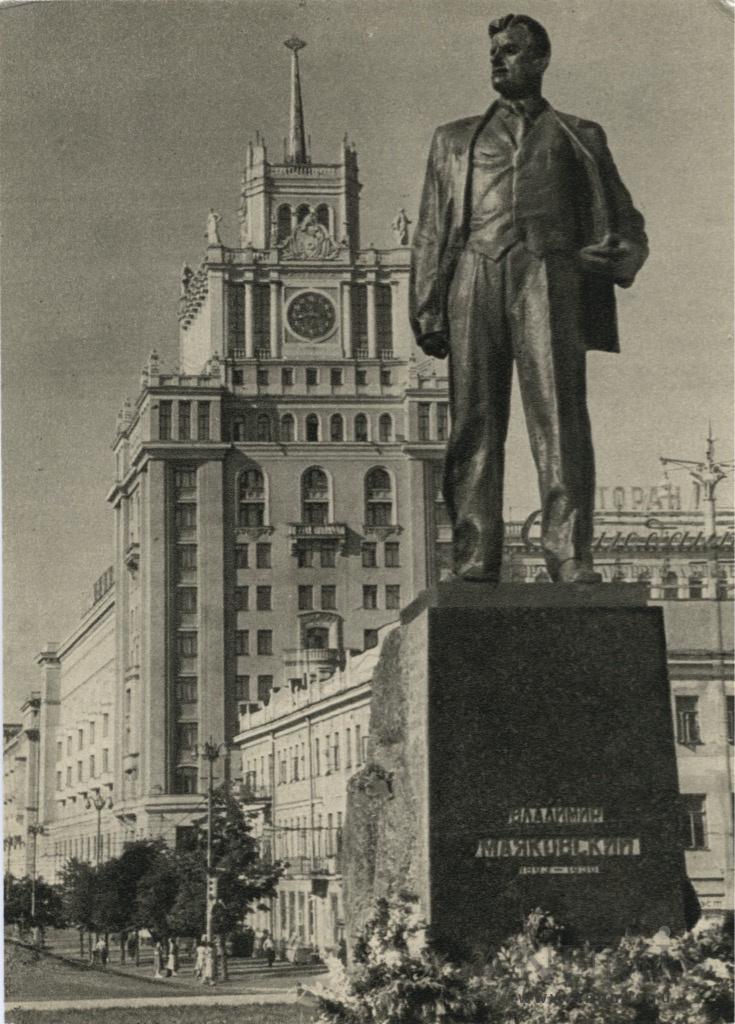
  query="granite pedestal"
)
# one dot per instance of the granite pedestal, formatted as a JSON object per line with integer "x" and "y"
{"x": 522, "y": 755}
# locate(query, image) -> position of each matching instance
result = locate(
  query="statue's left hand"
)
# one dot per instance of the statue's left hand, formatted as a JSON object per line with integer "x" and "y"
{"x": 614, "y": 257}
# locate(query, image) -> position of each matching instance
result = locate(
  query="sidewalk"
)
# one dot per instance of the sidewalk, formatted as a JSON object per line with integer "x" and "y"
{"x": 208, "y": 997}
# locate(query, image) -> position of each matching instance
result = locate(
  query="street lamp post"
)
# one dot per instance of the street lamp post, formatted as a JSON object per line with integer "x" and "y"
{"x": 99, "y": 802}
{"x": 210, "y": 751}
{"x": 35, "y": 829}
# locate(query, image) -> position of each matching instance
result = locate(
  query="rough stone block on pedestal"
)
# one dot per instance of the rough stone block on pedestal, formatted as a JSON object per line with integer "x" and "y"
{"x": 521, "y": 757}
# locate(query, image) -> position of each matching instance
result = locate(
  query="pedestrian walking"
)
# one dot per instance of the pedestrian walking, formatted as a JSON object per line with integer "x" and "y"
{"x": 199, "y": 965}
{"x": 158, "y": 960}
{"x": 172, "y": 962}
{"x": 100, "y": 951}
{"x": 269, "y": 949}
{"x": 210, "y": 965}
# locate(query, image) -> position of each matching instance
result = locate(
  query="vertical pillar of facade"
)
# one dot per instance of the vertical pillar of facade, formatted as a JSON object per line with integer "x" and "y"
{"x": 347, "y": 319}
{"x": 275, "y": 332}
{"x": 122, "y": 621}
{"x": 211, "y": 576}
{"x": 372, "y": 329}
{"x": 217, "y": 312}
{"x": 249, "y": 310}
{"x": 421, "y": 525}
{"x": 151, "y": 703}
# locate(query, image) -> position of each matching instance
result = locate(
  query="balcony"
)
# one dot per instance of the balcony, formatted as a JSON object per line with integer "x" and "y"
{"x": 254, "y": 796}
{"x": 299, "y": 532}
{"x": 132, "y": 556}
{"x": 309, "y": 659}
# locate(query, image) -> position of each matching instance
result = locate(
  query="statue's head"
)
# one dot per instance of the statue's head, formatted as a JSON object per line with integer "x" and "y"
{"x": 520, "y": 50}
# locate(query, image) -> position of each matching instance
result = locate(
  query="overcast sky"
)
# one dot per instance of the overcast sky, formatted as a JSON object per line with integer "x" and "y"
{"x": 121, "y": 123}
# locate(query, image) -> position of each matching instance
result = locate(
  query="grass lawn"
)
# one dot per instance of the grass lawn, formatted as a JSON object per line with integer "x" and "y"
{"x": 169, "y": 1015}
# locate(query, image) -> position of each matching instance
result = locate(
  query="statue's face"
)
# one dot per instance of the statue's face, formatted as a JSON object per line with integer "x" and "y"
{"x": 517, "y": 68}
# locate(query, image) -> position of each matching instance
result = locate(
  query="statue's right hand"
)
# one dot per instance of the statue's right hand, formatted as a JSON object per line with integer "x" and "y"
{"x": 435, "y": 345}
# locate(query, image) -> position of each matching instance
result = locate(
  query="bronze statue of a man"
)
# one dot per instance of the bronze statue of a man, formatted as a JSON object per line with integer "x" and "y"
{"x": 524, "y": 229}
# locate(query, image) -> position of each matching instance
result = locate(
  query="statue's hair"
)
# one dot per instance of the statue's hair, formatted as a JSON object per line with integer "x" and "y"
{"x": 537, "y": 31}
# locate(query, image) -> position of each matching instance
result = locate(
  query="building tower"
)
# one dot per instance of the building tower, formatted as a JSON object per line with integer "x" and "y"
{"x": 275, "y": 500}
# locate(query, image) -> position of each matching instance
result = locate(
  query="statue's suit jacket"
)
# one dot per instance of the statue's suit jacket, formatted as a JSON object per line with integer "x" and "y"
{"x": 542, "y": 199}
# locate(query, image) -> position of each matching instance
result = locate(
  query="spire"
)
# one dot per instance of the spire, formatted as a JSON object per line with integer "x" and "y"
{"x": 296, "y": 150}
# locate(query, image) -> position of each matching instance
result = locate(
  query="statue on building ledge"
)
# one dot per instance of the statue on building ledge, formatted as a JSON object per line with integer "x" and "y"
{"x": 400, "y": 226}
{"x": 213, "y": 222}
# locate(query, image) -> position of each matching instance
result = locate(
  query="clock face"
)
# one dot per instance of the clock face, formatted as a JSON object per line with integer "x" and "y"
{"x": 311, "y": 315}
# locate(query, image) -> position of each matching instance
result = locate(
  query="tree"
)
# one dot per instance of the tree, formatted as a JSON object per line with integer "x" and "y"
{"x": 18, "y": 900}
{"x": 78, "y": 888}
{"x": 156, "y": 892}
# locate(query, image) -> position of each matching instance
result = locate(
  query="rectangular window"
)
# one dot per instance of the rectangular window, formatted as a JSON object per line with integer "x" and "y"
{"x": 335, "y": 753}
{"x": 80, "y": 739}
{"x": 80, "y": 771}
{"x": 317, "y": 760}
{"x": 327, "y": 756}
{"x": 187, "y": 734}
{"x": 329, "y": 598}
{"x": 305, "y": 556}
{"x": 392, "y": 551}
{"x": 128, "y": 701}
{"x": 694, "y": 821}
{"x": 392, "y": 596}
{"x": 202, "y": 421}
{"x": 92, "y": 732}
{"x": 184, "y": 421}
{"x": 242, "y": 642}
{"x": 262, "y": 378}
{"x": 265, "y": 685}
{"x": 328, "y": 556}
{"x": 186, "y": 691}
{"x": 68, "y": 775}
{"x": 442, "y": 421}
{"x": 242, "y": 688}
{"x": 91, "y": 766}
{"x": 370, "y": 597}
{"x": 359, "y": 316}
{"x": 696, "y": 586}
{"x": 369, "y": 555}
{"x": 287, "y": 377}
{"x": 687, "y": 721}
{"x": 187, "y": 557}
{"x": 188, "y": 600}
{"x": 306, "y": 598}
{"x": 58, "y": 780}
{"x": 385, "y": 378}
{"x": 185, "y": 479}
{"x": 261, "y": 317}
{"x": 164, "y": 420}
{"x": 263, "y": 599}
{"x": 105, "y": 725}
{"x": 241, "y": 556}
{"x": 242, "y": 599}
{"x": 424, "y": 410}
{"x": 263, "y": 556}
{"x": 59, "y": 750}
{"x": 348, "y": 748}
{"x": 335, "y": 377}
{"x": 186, "y": 515}
{"x": 361, "y": 378}
{"x": 730, "y": 715}
{"x": 358, "y": 749}
{"x": 384, "y": 317}
{"x": 188, "y": 645}
{"x": 370, "y": 638}
{"x": 312, "y": 376}
{"x": 105, "y": 759}
{"x": 265, "y": 641}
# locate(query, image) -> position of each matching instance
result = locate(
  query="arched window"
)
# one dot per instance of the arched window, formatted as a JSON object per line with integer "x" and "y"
{"x": 284, "y": 223}
{"x": 302, "y": 211}
{"x": 238, "y": 430}
{"x": 312, "y": 427}
{"x": 361, "y": 427}
{"x": 315, "y": 497}
{"x": 336, "y": 428}
{"x": 670, "y": 586}
{"x": 251, "y": 499}
{"x": 264, "y": 427}
{"x": 288, "y": 428}
{"x": 322, "y": 215}
{"x": 378, "y": 498}
{"x": 385, "y": 428}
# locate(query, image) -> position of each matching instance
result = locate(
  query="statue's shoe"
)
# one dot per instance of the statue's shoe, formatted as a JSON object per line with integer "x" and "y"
{"x": 573, "y": 572}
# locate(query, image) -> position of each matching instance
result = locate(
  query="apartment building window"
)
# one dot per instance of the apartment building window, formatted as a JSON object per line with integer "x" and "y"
{"x": 424, "y": 410}
{"x": 242, "y": 688}
{"x": 105, "y": 759}
{"x": 187, "y": 734}
{"x": 241, "y": 556}
{"x": 335, "y": 377}
{"x": 238, "y": 377}
{"x": 370, "y": 638}
{"x": 687, "y": 721}
{"x": 312, "y": 427}
{"x": 294, "y": 763}
{"x": 696, "y": 586}
{"x": 361, "y": 427}
{"x": 92, "y": 766}
{"x": 442, "y": 421}
{"x": 329, "y": 597}
{"x": 336, "y": 428}
{"x": 385, "y": 428}
{"x": 263, "y": 556}
{"x": 265, "y": 685}
{"x": 242, "y": 642}
{"x": 185, "y": 479}
{"x": 306, "y": 598}
{"x": 263, "y": 427}
{"x": 392, "y": 596}
{"x": 186, "y": 515}
{"x": 670, "y": 586}
{"x": 186, "y": 691}
{"x": 184, "y": 421}
{"x": 386, "y": 378}
{"x": 188, "y": 600}
{"x": 730, "y": 715}
{"x": 317, "y": 759}
{"x": 288, "y": 428}
{"x": 348, "y": 748}
{"x": 58, "y": 780}
{"x": 188, "y": 645}
{"x": 378, "y": 498}
{"x": 92, "y": 733}
{"x": 370, "y": 597}
{"x": 327, "y": 756}
{"x": 164, "y": 420}
{"x": 335, "y": 753}
{"x": 315, "y": 497}
{"x": 80, "y": 771}
{"x": 265, "y": 641}
{"x": 361, "y": 378}
{"x": 262, "y": 378}
{"x": 80, "y": 739}
{"x": 694, "y": 821}
{"x": 187, "y": 554}
{"x": 358, "y": 751}
{"x": 251, "y": 498}
{"x": 312, "y": 376}
{"x": 287, "y": 377}
{"x": 263, "y": 599}
{"x": 305, "y": 556}
{"x": 369, "y": 555}
{"x": 202, "y": 421}
{"x": 59, "y": 750}
{"x": 68, "y": 775}
{"x": 105, "y": 725}
{"x": 328, "y": 555}
{"x": 242, "y": 599}
{"x": 392, "y": 555}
